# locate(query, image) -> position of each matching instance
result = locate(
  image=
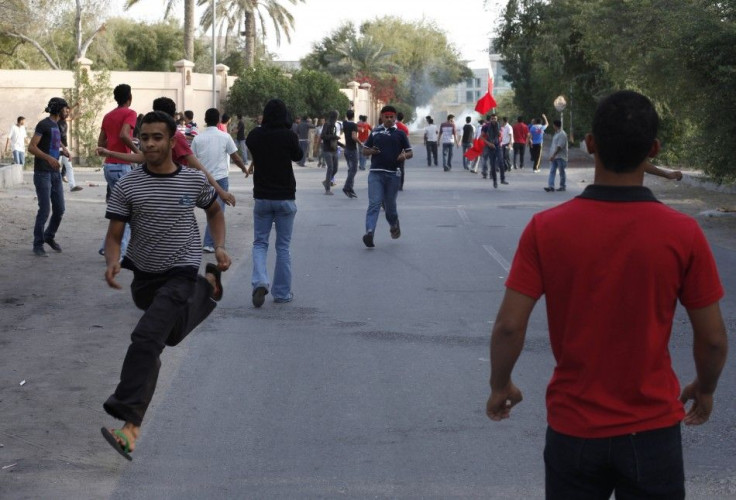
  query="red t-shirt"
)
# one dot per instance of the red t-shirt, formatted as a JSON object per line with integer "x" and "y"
{"x": 521, "y": 131}
{"x": 364, "y": 130}
{"x": 612, "y": 267}
{"x": 112, "y": 123}
{"x": 181, "y": 149}
{"x": 403, "y": 128}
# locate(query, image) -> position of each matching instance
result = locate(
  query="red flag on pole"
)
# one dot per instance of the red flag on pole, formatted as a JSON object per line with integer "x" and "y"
{"x": 487, "y": 102}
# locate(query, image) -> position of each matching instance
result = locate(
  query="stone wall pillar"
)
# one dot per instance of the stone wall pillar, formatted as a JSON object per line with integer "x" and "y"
{"x": 221, "y": 71}
{"x": 186, "y": 96}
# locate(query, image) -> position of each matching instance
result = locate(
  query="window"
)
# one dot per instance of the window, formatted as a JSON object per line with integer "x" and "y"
{"x": 469, "y": 82}
{"x": 477, "y": 82}
{"x": 469, "y": 96}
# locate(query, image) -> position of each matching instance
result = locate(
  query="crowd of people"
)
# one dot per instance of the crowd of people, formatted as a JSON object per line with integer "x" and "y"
{"x": 614, "y": 406}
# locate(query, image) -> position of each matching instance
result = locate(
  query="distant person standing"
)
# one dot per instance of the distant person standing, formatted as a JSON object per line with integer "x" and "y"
{"x": 557, "y": 157}
{"x": 190, "y": 126}
{"x": 116, "y": 135}
{"x": 364, "y": 131}
{"x": 448, "y": 138}
{"x": 492, "y": 151}
{"x": 507, "y": 138}
{"x": 273, "y": 147}
{"x": 431, "y": 133}
{"x": 521, "y": 136}
{"x": 17, "y": 141}
{"x": 302, "y": 131}
{"x": 387, "y": 146}
{"x": 224, "y": 123}
{"x": 401, "y": 126}
{"x": 240, "y": 139}
{"x": 350, "y": 133}
{"x": 46, "y": 147}
{"x": 215, "y": 150}
{"x": 536, "y": 138}
{"x": 67, "y": 169}
{"x": 467, "y": 140}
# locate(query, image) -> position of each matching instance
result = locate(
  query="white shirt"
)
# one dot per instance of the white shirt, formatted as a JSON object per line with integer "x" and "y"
{"x": 17, "y": 138}
{"x": 507, "y": 135}
{"x": 430, "y": 133}
{"x": 213, "y": 148}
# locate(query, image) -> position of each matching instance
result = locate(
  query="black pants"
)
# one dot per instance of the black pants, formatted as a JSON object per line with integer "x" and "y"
{"x": 173, "y": 306}
{"x": 519, "y": 148}
{"x": 403, "y": 172}
{"x": 431, "y": 152}
{"x": 536, "y": 153}
{"x": 643, "y": 465}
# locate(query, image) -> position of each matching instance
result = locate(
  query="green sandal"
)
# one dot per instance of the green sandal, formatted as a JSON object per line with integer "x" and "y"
{"x": 123, "y": 450}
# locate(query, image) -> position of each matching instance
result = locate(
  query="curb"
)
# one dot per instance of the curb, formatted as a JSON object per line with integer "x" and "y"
{"x": 10, "y": 175}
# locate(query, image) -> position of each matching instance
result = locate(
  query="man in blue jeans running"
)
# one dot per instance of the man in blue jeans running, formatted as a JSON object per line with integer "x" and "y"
{"x": 388, "y": 147}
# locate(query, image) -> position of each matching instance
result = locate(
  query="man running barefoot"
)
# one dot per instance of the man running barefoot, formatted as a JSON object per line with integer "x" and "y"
{"x": 164, "y": 254}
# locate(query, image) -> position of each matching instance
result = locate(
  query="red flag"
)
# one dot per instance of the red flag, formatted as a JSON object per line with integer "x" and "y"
{"x": 476, "y": 150}
{"x": 487, "y": 102}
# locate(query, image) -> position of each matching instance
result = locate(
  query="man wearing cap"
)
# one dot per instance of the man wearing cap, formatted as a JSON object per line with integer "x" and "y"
{"x": 388, "y": 147}
{"x": 46, "y": 147}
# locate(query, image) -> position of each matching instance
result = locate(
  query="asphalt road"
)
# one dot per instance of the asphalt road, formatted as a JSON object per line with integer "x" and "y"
{"x": 373, "y": 381}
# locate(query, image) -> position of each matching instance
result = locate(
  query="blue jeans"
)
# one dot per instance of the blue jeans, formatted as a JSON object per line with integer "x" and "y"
{"x": 361, "y": 158}
{"x": 243, "y": 151}
{"x": 447, "y": 155}
{"x": 113, "y": 172}
{"x": 331, "y": 165}
{"x": 642, "y": 465}
{"x": 466, "y": 162}
{"x": 50, "y": 194}
{"x": 382, "y": 187}
{"x": 19, "y": 157}
{"x": 431, "y": 153}
{"x": 557, "y": 163}
{"x": 265, "y": 214}
{"x": 304, "y": 146}
{"x": 208, "y": 241}
{"x": 351, "y": 158}
{"x": 494, "y": 156}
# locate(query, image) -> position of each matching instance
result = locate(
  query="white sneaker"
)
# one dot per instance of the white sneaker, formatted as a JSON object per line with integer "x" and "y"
{"x": 207, "y": 249}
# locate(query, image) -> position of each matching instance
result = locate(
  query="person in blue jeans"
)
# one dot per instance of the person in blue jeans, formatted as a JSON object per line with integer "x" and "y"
{"x": 388, "y": 147}
{"x": 273, "y": 147}
{"x": 46, "y": 148}
{"x": 557, "y": 157}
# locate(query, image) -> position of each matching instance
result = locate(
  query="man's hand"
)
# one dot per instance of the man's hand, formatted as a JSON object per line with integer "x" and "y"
{"x": 229, "y": 198}
{"x": 500, "y": 403}
{"x": 54, "y": 163}
{"x": 223, "y": 259}
{"x": 702, "y": 406}
{"x": 110, "y": 273}
{"x": 251, "y": 168}
{"x": 675, "y": 175}
{"x": 102, "y": 151}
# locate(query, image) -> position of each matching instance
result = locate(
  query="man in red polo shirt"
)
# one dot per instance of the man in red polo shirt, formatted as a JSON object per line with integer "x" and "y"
{"x": 614, "y": 405}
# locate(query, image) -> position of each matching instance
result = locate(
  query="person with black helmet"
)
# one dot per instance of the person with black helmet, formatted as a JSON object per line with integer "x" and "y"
{"x": 46, "y": 147}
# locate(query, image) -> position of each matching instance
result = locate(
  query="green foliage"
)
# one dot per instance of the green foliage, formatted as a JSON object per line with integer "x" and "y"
{"x": 86, "y": 100}
{"x": 317, "y": 93}
{"x": 256, "y": 86}
{"x": 405, "y": 62}
{"x": 677, "y": 52}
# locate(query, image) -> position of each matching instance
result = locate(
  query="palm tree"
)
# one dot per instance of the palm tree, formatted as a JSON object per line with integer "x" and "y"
{"x": 188, "y": 23}
{"x": 361, "y": 56}
{"x": 252, "y": 12}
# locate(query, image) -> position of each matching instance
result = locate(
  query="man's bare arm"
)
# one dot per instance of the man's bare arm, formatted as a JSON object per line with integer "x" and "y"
{"x": 125, "y": 138}
{"x": 228, "y": 198}
{"x": 113, "y": 239}
{"x": 36, "y": 151}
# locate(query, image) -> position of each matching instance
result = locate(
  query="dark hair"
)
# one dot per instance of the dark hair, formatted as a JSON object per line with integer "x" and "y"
{"x": 450, "y": 117}
{"x": 122, "y": 93}
{"x": 399, "y": 116}
{"x": 350, "y": 114}
{"x": 388, "y": 109}
{"x": 189, "y": 114}
{"x": 275, "y": 115}
{"x": 165, "y": 104}
{"x": 519, "y": 118}
{"x": 625, "y": 126}
{"x": 56, "y": 105}
{"x": 20, "y": 118}
{"x": 363, "y": 118}
{"x": 160, "y": 117}
{"x": 240, "y": 117}
{"x": 332, "y": 116}
{"x": 557, "y": 123}
{"x": 225, "y": 118}
{"x": 212, "y": 117}
{"x": 429, "y": 120}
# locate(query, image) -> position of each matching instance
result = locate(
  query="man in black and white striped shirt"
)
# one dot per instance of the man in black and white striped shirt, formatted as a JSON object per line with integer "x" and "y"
{"x": 164, "y": 253}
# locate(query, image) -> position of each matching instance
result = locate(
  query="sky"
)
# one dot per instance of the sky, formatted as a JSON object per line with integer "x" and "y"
{"x": 467, "y": 23}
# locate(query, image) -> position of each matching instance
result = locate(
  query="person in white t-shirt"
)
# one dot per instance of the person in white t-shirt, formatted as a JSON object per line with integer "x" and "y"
{"x": 430, "y": 141}
{"x": 507, "y": 138}
{"x": 215, "y": 150}
{"x": 17, "y": 140}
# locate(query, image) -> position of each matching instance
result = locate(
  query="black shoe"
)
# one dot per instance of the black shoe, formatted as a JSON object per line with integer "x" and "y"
{"x": 347, "y": 193}
{"x": 40, "y": 252}
{"x": 560, "y": 189}
{"x": 495, "y": 185}
{"x": 485, "y": 176}
{"x": 53, "y": 244}
{"x": 368, "y": 239}
{"x": 504, "y": 182}
{"x": 259, "y": 296}
{"x": 395, "y": 231}
{"x": 549, "y": 189}
{"x": 352, "y": 194}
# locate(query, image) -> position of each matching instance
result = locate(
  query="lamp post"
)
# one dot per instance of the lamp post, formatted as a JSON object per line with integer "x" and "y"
{"x": 560, "y": 104}
{"x": 214, "y": 57}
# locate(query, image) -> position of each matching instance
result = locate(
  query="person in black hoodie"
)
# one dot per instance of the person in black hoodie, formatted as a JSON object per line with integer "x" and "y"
{"x": 273, "y": 147}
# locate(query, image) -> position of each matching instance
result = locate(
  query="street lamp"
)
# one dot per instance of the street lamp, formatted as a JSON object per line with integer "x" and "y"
{"x": 560, "y": 104}
{"x": 214, "y": 57}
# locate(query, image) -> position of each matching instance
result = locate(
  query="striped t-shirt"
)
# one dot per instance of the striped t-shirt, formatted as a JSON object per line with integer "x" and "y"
{"x": 160, "y": 210}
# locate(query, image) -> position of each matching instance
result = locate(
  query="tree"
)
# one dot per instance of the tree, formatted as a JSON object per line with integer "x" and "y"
{"x": 189, "y": 25}
{"x": 317, "y": 93}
